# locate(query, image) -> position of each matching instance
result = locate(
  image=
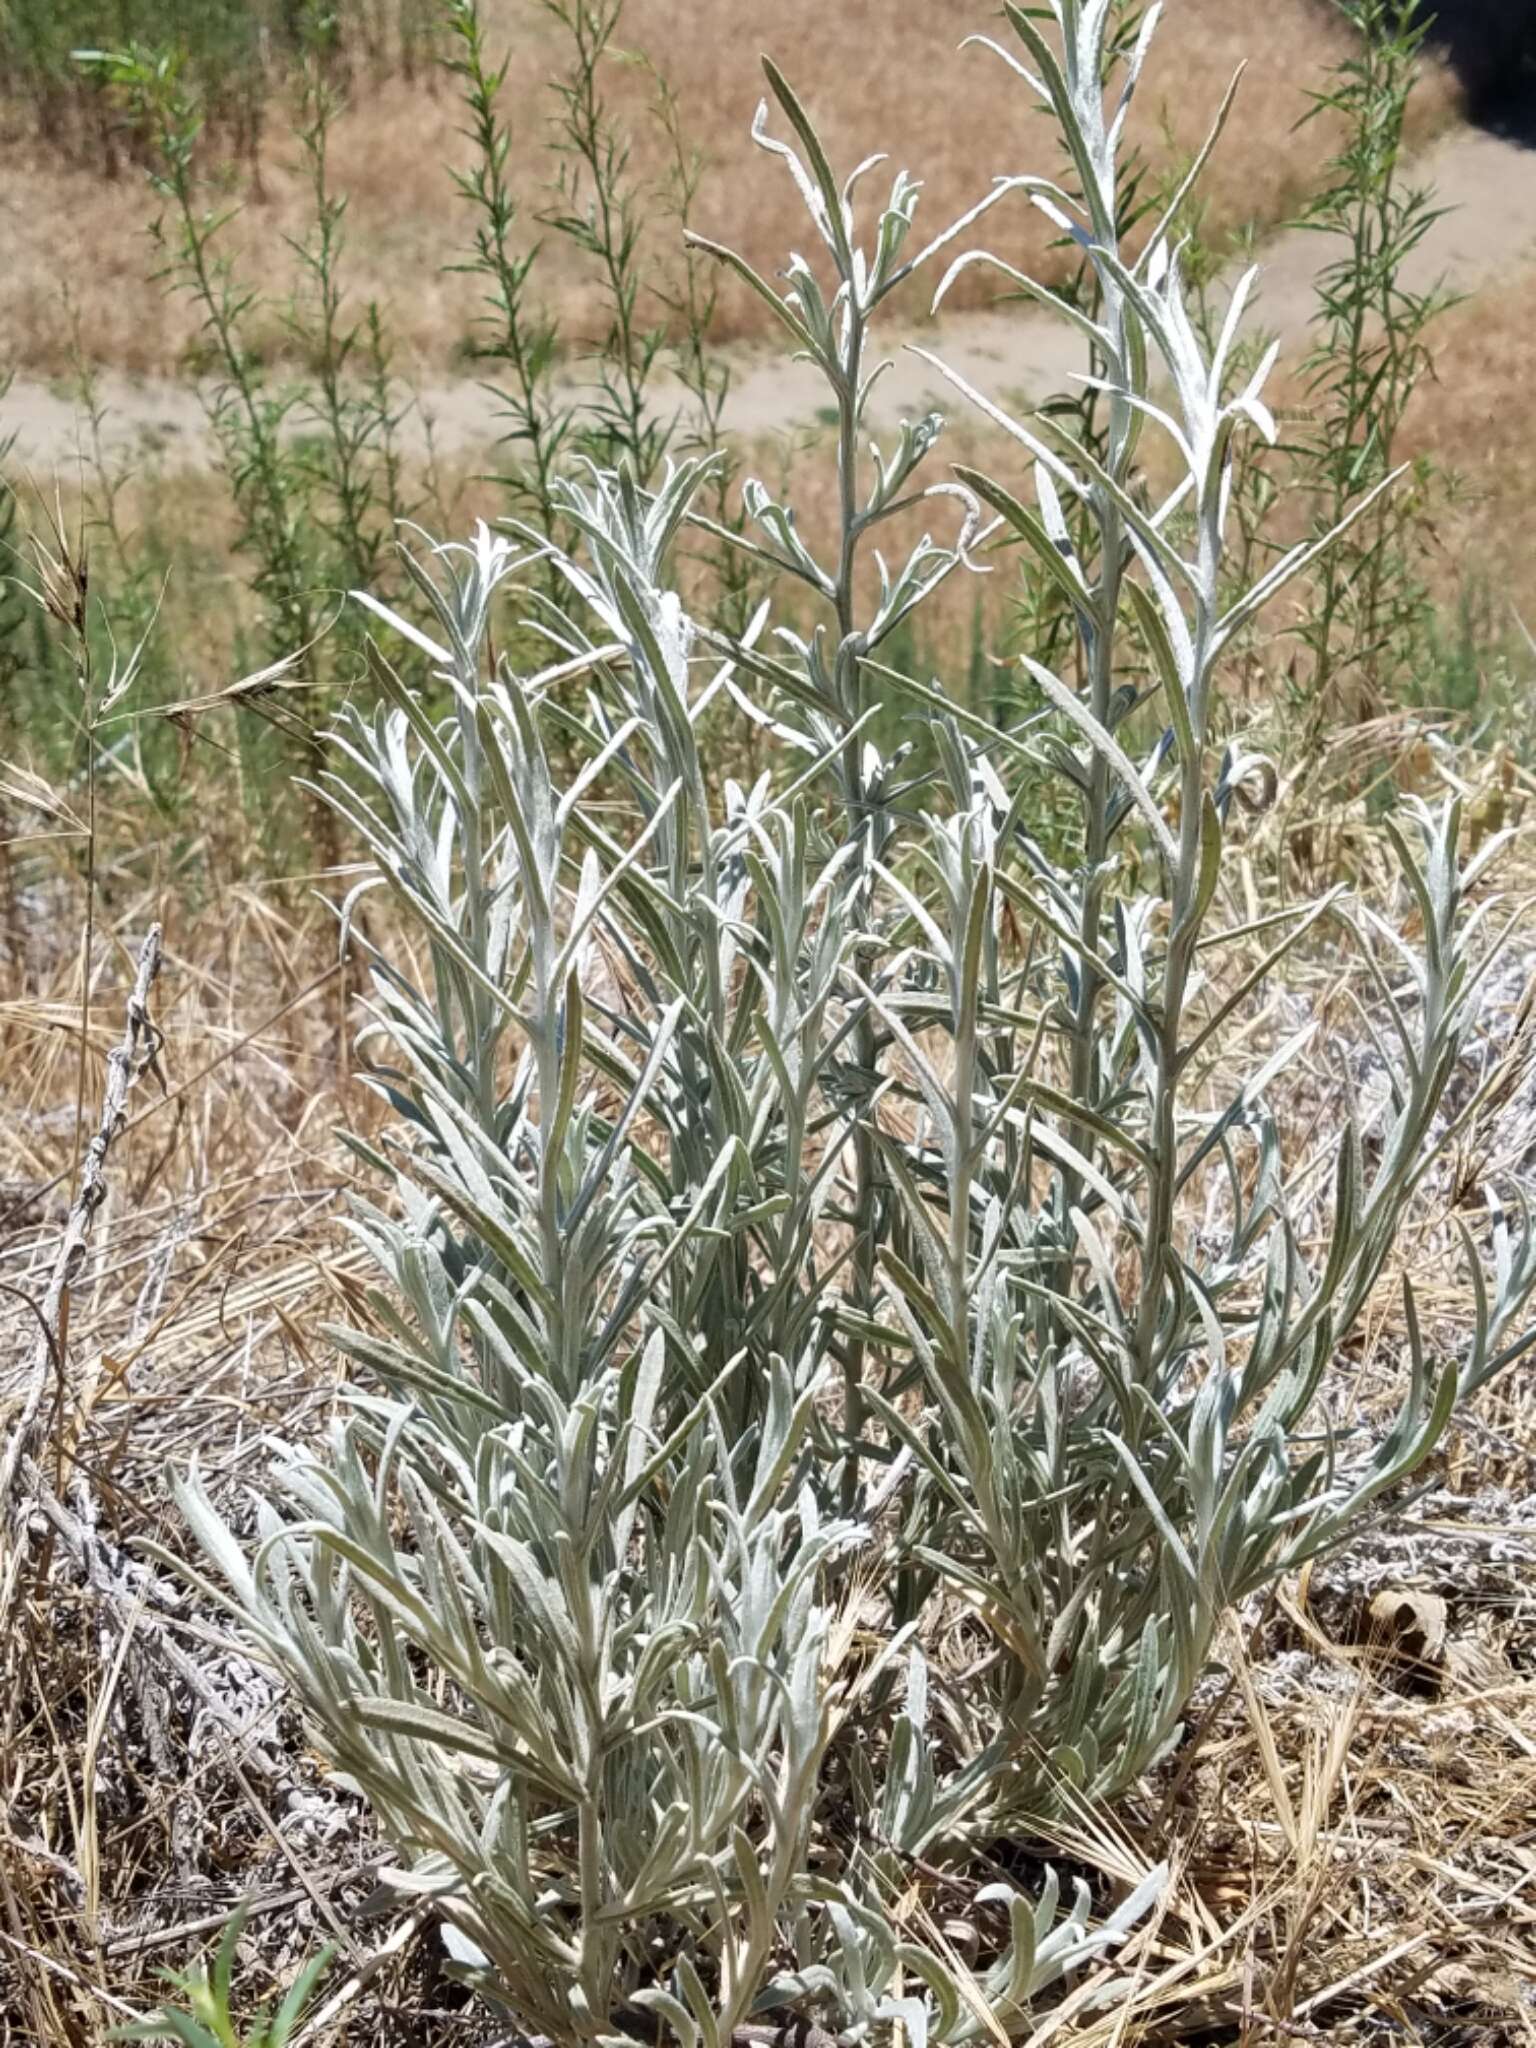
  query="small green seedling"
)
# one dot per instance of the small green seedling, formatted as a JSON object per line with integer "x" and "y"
{"x": 207, "y": 2021}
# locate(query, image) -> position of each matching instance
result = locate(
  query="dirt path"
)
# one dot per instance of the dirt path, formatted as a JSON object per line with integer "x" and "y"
{"x": 1487, "y": 185}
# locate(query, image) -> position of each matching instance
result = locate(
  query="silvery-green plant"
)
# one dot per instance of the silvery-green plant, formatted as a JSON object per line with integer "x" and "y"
{"x": 821, "y": 1226}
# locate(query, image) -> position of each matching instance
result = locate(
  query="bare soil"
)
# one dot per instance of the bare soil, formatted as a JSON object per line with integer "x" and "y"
{"x": 1486, "y": 184}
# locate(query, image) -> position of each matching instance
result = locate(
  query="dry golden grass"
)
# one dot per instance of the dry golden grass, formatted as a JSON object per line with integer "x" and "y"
{"x": 1477, "y": 417}
{"x": 878, "y": 75}
{"x": 212, "y": 1259}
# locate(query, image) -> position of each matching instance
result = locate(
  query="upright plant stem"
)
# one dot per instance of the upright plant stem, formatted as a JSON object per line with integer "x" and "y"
{"x": 1371, "y": 352}
{"x": 514, "y": 331}
{"x": 860, "y": 827}
{"x": 248, "y": 423}
{"x": 600, "y": 210}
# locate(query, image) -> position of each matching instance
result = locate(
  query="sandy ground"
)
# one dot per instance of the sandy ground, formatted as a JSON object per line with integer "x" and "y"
{"x": 1486, "y": 184}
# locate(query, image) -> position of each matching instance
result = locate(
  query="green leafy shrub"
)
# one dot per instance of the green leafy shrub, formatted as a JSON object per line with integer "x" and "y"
{"x": 237, "y": 53}
{"x": 847, "y": 1327}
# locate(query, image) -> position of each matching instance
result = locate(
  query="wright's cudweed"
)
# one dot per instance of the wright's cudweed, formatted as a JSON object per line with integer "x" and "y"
{"x": 785, "y": 1267}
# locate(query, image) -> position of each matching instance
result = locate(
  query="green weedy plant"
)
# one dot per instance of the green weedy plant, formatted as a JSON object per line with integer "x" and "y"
{"x": 207, "y": 2020}
{"x": 223, "y": 43}
{"x": 1371, "y": 614}
{"x": 512, "y": 330}
{"x": 312, "y": 462}
{"x": 251, "y": 418}
{"x": 240, "y": 54}
{"x": 821, "y": 1225}
{"x": 599, "y": 207}
{"x": 690, "y": 300}
{"x": 349, "y": 457}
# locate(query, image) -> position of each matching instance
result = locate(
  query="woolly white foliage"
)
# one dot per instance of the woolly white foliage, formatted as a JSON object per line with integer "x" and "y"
{"x": 728, "y": 1128}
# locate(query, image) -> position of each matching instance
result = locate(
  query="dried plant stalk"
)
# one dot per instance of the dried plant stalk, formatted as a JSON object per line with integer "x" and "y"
{"x": 134, "y": 1055}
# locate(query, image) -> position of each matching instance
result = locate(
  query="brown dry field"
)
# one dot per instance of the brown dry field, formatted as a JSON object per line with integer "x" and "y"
{"x": 1477, "y": 416}
{"x": 877, "y": 76}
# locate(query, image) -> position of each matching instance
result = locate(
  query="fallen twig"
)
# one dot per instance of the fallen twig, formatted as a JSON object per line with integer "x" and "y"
{"x": 135, "y": 1054}
{"x": 215, "y": 1922}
